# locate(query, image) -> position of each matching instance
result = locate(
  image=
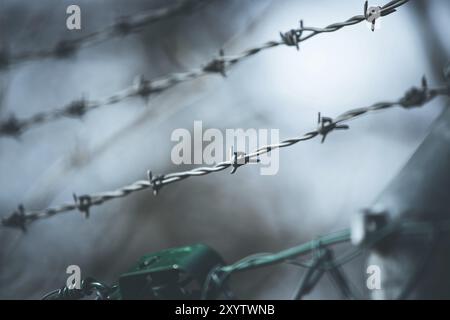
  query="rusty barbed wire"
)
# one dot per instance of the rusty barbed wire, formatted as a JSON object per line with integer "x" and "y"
{"x": 415, "y": 97}
{"x": 124, "y": 26}
{"x": 14, "y": 126}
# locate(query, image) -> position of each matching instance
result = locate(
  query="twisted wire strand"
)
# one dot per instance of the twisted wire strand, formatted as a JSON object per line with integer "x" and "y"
{"x": 415, "y": 97}
{"x": 123, "y": 27}
{"x": 13, "y": 127}
{"x": 218, "y": 276}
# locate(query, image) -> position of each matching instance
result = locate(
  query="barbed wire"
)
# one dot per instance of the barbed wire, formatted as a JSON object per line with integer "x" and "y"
{"x": 124, "y": 26}
{"x": 414, "y": 97}
{"x": 321, "y": 261}
{"x": 14, "y": 126}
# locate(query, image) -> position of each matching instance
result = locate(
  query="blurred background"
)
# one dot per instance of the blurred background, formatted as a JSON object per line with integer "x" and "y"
{"x": 317, "y": 189}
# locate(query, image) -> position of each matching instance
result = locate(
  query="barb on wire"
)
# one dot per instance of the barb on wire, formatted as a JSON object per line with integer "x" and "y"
{"x": 415, "y": 97}
{"x": 340, "y": 280}
{"x": 83, "y": 204}
{"x": 313, "y": 274}
{"x": 155, "y": 182}
{"x": 323, "y": 262}
{"x": 13, "y": 126}
{"x": 124, "y": 26}
{"x": 17, "y": 219}
{"x": 292, "y": 37}
{"x": 326, "y": 125}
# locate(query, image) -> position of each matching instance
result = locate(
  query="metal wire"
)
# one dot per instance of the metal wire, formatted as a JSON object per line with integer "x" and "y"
{"x": 88, "y": 287}
{"x": 14, "y": 126}
{"x": 312, "y": 275}
{"x": 323, "y": 259}
{"x": 124, "y": 26}
{"x": 415, "y": 97}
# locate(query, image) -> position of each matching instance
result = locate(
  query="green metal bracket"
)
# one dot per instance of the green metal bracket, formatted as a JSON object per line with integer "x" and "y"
{"x": 177, "y": 273}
